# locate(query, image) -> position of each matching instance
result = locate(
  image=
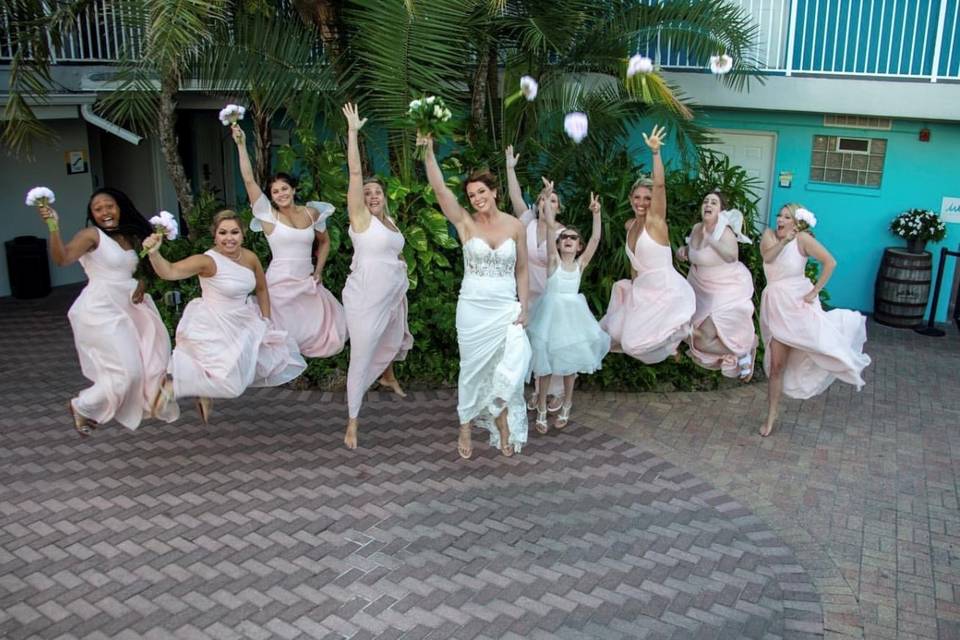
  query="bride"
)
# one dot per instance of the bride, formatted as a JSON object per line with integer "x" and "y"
{"x": 491, "y": 310}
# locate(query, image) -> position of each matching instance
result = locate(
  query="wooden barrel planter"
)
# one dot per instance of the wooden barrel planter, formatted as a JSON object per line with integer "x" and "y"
{"x": 902, "y": 288}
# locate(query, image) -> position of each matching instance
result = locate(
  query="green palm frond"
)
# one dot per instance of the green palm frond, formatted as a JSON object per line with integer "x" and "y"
{"x": 403, "y": 53}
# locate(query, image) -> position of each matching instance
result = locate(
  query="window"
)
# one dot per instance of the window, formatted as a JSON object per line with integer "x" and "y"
{"x": 848, "y": 160}
{"x": 856, "y": 122}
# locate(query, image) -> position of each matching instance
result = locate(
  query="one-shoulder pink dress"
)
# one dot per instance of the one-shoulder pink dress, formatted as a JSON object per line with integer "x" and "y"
{"x": 825, "y": 345}
{"x": 299, "y": 304}
{"x": 724, "y": 293}
{"x": 375, "y": 301}
{"x": 124, "y": 348}
{"x": 650, "y": 315}
{"x": 224, "y": 344}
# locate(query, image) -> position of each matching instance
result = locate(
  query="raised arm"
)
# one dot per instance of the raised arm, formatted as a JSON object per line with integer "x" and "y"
{"x": 195, "y": 265}
{"x": 449, "y": 205}
{"x": 594, "y": 242}
{"x": 658, "y": 206}
{"x": 246, "y": 169}
{"x": 66, "y": 254}
{"x": 550, "y": 217}
{"x": 357, "y": 212}
{"x": 513, "y": 185}
{"x": 818, "y": 252}
{"x": 771, "y": 246}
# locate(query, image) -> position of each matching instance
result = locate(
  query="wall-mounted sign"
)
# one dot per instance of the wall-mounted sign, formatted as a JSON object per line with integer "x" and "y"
{"x": 785, "y": 179}
{"x": 76, "y": 162}
{"x": 950, "y": 210}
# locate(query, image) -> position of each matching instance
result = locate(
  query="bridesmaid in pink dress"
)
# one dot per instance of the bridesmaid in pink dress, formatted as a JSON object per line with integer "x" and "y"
{"x": 225, "y": 340}
{"x": 650, "y": 316}
{"x": 807, "y": 348}
{"x": 536, "y": 230}
{"x": 375, "y": 294}
{"x": 301, "y": 305}
{"x": 121, "y": 341}
{"x": 723, "y": 334}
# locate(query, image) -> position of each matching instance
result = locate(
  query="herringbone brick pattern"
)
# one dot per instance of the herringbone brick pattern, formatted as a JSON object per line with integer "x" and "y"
{"x": 263, "y": 526}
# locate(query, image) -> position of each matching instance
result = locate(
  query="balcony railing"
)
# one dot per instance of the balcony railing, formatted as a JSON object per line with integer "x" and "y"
{"x": 908, "y": 39}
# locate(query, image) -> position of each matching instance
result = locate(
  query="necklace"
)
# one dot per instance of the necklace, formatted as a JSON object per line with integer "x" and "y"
{"x": 234, "y": 258}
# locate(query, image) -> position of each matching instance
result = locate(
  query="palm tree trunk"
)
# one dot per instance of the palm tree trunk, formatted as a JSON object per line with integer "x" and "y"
{"x": 167, "y": 134}
{"x": 262, "y": 135}
{"x": 478, "y": 99}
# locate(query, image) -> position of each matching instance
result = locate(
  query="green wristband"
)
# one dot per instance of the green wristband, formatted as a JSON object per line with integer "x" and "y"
{"x": 52, "y": 224}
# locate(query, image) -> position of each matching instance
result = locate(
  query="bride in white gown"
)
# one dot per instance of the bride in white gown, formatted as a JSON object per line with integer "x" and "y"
{"x": 491, "y": 311}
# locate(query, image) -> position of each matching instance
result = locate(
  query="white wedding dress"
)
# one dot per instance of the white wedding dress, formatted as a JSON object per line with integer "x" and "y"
{"x": 494, "y": 351}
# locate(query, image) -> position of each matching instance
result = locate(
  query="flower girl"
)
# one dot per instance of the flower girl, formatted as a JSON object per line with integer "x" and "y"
{"x": 565, "y": 337}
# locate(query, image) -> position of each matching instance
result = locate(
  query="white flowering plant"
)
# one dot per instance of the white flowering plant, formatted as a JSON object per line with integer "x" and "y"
{"x": 919, "y": 224}
{"x": 431, "y": 117}
{"x": 165, "y": 223}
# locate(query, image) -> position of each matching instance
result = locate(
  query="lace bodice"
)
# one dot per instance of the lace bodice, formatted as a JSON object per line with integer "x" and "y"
{"x": 481, "y": 260}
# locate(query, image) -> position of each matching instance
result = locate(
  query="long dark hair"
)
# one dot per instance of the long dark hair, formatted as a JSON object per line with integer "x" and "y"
{"x": 132, "y": 223}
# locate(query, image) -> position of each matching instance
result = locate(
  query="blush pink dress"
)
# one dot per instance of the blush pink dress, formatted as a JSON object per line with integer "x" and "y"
{"x": 299, "y": 304}
{"x": 649, "y": 316}
{"x": 375, "y": 301}
{"x": 224, "y": 345}
{"x": 124, "y": 348}
{"x": 825, "y": 345}
{"x": 724, "y": 293}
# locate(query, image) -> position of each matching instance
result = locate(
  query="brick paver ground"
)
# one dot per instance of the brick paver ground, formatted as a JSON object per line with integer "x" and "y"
{"x": 863, "y": 486}
{"x": 667, "y": 518}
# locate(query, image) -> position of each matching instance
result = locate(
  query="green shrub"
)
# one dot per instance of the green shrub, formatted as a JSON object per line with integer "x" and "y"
{"x": 434, "y": 259}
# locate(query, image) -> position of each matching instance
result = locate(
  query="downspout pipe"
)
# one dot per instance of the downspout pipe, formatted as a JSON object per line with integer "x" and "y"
{"x": 86, "y": 110}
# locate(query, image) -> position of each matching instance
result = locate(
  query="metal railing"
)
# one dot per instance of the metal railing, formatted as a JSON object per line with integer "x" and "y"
{"x": 914, "y": 39}
{"x": 101, "y": 34}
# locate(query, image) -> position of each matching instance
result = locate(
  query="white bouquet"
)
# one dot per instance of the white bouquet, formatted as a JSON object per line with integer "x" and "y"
{"x": 165, "y": 223}
{"x": 639, "y": 64}
{"x": 576, "y": 125}
{"x": 430, "y": 116}
{"x": 805, "y": 219}
{"x": 231, "y": 113}
{"x": 719, "y": 65}
{"x": 42, "y": 197}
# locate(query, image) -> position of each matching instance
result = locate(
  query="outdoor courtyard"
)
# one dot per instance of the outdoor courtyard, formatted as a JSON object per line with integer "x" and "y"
{"x": 651, "y": 516}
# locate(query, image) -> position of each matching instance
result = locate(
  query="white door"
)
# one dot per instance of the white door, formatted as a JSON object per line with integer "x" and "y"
{"x": 755, "y": 152}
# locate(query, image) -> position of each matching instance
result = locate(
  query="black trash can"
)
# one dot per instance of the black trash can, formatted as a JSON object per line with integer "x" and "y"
{"x": 28, "y": 267}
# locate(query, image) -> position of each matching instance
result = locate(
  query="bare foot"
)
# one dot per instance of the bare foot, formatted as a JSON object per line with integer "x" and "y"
{"x": 350, "y": 437}
{"x": 554, "y": 403}
{"x": 393, "y": 384}
{"x": 505, "y": 448}
{"x": 465, "y": 442}
{"x": 204, "y": 408}
{"x": 766, "y": 429}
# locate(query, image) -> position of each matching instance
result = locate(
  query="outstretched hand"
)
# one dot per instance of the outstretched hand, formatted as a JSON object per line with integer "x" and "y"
{"x": 352, "y": 113}
{"x": 238, "y": 135}
{"x": 424, "y": 139}
{"x": 512, "y": 158}
{"x": 655, "y": 139}
{"x": 594, "y": 204}
{"x": 152, "y": 242}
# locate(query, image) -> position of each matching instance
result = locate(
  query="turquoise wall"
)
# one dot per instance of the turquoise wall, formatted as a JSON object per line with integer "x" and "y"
{"x": 854, "y": 221}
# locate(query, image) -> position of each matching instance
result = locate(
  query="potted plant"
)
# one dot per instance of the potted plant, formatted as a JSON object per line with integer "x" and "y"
{"x": 917, "y": 227}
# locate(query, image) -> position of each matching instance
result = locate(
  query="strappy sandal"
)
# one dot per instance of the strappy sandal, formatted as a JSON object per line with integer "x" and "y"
{"x": 465, "y": 452}
{"x": 557, "y": 404}
{"x": 564, "y": 417}
{"x": 541, "y": 424}
{"x": 532, "y": 401}
{"x": 204, "y": 408}
{"x": 80, "y": 424}
{"x": 164, "y": 397}
{"x": 746, "y": 369}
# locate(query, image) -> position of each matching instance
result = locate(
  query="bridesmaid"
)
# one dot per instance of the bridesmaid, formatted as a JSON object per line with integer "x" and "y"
{"x": 301, "y": 305}
{"x": 225, "y": 341}
{"x": 650, "y": 316}
{"x": 723, "y": 334}
{"x": 375, "y": 294}
{"x": 121, "y": 341}
{"x": 534, "y": 221}
{"x": 807, "y": 348}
